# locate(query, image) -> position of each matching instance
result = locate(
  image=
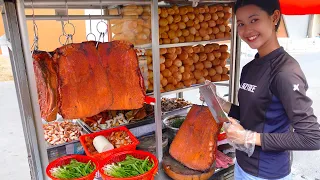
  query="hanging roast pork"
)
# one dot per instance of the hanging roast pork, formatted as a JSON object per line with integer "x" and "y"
{"x": 80, "y": 80}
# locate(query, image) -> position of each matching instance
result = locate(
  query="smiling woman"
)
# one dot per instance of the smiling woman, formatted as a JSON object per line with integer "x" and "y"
{"x": 272, "y": 100}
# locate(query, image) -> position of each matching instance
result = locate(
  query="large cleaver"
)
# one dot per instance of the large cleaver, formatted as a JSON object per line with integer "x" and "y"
{"x": 208, "y": 93}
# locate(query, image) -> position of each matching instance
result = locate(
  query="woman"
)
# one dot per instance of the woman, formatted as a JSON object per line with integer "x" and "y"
{"x": 272, "y": 99}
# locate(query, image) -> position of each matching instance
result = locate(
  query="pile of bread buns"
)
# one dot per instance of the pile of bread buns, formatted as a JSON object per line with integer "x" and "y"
{"x": 185, "y": 66}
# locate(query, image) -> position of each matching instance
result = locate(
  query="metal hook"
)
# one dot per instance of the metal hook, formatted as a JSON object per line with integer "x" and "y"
{"x": 87, "y": 37}
{"x": 102, "y": 34}
{"x": 35, "y": 44}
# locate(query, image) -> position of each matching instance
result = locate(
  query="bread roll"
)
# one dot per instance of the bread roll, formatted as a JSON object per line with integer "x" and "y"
{"x": 207, "y": 78}
{"x": 190, "y": 38}
{"x": 223, "y": 62}
{"x": 178, "y": 50}
{"x": 172, "y": 34}
{"x": 197, "y": 38}
{"x": 203, "y": 32}
{"x": 176, "y": 18}
{"x": 182, "y": 25}
{"x": 212, "y": 36}
{"x": 162, "y": 51}
{"x": 187, "y": 83}
{"x": 164, "y": 13}
{"x": 195, "y": 58}
{"x": 178, "y": 33}
{"x": 170, "y": 11}
{"x": 202, "y": 56}
{"x": 212, "y": 23}
{"x": 205, "y": 72}
{"x": 222, "y": 28}
{"x": 220, "y": 21}
{"x": 208, "y": 48}
{"x": 183, "y": 10}
{"x": 182, "y": 39}
{"x": 185, "y": 32}
{"x": 198, "y": 74}
{"x": 223, "y": 48}
{"x": 214, "y": 16}
{"x": 196, "y": 49}
{"x": 212, "y": 72}
{"x": 181, "y": 69}
{"x": 168, "y": 63}
{"x": 216, "y": 78}
{"x": 177, "y": 62}
{"x": 199, "y": 66}
{"x": 164, "y": 81}
{"x": 224, "y": 55}
{"x": 163, "y": 22}
{"x": 210, "y": 56}
{"x": 216, "y": 62}
{"x": 200, "y": 17}
{"x": 186, "y": 76}
{"x": 180, "y": 85}
{"x": 207, "y": 64}
{"x": 202, "y": 10}
{"x": 188, "y": 49}
{"x": 227, "y": 35}
{"x": 191, "y": 16}
{"x": 227, "y": 16}
{"x": 164, "y": 35}
{"x": 213, "y": 9}
{"x": 162, "y": 59}
{"x": 218, "y": 69}
{"x": 210, "y": 31}
{"x": 183, "y": 56}
{"x": 196, "y": 21}
{"x": 162, "y": 67}
{"x": 220, "y": 35}
{"x": 169, "y": 19}
{"x": 184, "y": 18}
{"x": 224, "y": 70}
{"x": 169, "y": 87}
{"x": 190, "y": 23}
{"x": 171, "y": 50}
{"x": 215, "y": 30}
{"x": 201, "y": 80}
{"x": 224, "y": 77}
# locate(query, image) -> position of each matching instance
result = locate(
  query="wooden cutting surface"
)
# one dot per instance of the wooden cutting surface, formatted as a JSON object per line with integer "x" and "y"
{"x": 177, "y": 171}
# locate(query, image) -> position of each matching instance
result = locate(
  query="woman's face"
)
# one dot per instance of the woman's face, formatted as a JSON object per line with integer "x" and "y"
{"x": 255, "y": 26}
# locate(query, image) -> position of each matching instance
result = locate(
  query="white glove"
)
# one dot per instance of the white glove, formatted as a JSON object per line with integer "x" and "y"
{"x": 239, "y": 138}
{"x": 221, "y": 101}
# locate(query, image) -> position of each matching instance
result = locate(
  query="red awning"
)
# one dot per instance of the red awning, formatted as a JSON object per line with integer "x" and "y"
{"x": 300, "y": 7}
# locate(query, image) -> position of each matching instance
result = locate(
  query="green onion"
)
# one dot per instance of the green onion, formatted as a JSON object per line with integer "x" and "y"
{"x": 131, "y": 166}
{"x": 74, "y": 169}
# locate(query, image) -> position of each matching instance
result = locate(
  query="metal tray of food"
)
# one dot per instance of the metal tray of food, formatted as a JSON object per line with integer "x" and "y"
{"x": 75, "y": 122}
{"x": 147, "y": 120}
{"x": 182, "y": 110}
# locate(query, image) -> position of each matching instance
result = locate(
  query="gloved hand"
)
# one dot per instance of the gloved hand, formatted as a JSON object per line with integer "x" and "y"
{"x": 239, "y": 138}
{"x": 221, "y": 101}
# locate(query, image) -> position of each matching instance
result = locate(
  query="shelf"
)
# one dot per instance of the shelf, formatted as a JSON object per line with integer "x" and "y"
{"x": 149, "y": 46}
{"x": 193, "y": 43}
{"x": 196, "y": 86}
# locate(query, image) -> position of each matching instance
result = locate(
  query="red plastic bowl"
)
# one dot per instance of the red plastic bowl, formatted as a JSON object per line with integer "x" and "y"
{"x": 106, "y": 133}
{"x": 66, "y": 160}
{"x": 121, "y": 156}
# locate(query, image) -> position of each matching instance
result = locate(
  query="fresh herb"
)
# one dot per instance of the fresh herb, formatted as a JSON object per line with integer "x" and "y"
{"x": 131, "y": 166}
{"x": 177, "y": 122}
{"x": 75, "y": 169}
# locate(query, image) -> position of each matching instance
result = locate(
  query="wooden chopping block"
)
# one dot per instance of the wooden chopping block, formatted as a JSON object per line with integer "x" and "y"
{"x": 177, "y": 171}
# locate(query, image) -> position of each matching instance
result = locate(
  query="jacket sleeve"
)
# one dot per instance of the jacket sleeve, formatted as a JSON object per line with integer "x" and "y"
{"x": 290, "y": 88}
{"x": 234, "y": 112}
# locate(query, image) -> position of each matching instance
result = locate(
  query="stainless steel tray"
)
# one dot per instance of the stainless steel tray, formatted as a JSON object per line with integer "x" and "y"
{"x": 83, "y": 131}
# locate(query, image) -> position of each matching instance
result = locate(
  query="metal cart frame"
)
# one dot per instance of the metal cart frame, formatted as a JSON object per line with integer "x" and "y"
{"x": 13, "y": 12}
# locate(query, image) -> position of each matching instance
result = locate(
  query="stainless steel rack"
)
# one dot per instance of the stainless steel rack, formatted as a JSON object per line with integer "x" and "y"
{"x": 15, "y": 22}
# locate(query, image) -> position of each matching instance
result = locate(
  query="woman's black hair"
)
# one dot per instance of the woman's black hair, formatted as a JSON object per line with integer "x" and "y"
{"x": 268, "y": 6}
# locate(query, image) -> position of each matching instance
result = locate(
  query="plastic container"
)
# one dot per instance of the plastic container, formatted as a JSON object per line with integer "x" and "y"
{"x": 106, "y": 133}
{"x": 121, "y": 156}
{"x": 66, "y": 160}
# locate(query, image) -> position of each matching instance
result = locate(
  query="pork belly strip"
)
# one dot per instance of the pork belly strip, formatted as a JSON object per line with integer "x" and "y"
{"x": 47, "y": 84}
{"x": 196, "y": 141}
{"x": 92, "y": 79}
